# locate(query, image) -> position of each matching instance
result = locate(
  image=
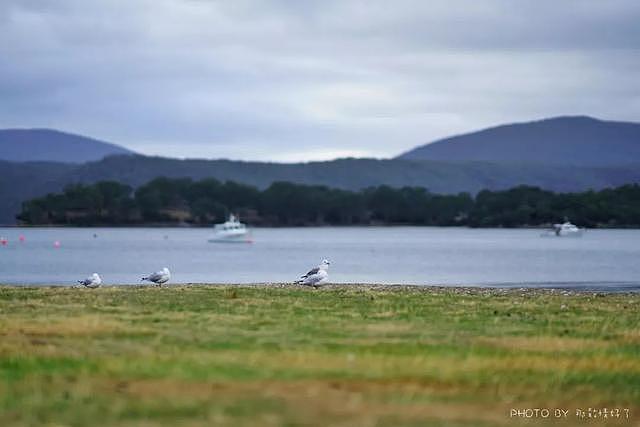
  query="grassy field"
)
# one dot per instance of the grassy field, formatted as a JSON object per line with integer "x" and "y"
{"x": 338, "y": 356}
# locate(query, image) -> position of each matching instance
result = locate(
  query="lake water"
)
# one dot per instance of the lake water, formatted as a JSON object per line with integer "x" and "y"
{"x": 601, "y": 259}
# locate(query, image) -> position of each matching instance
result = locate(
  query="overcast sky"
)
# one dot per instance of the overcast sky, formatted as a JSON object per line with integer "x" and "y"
{"x": 302, "y": 80}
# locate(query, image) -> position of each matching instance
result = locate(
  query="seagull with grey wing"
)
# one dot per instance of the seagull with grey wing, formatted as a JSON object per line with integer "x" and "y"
{"x": 315, "y": 276}
{"x": 92, "y": 281}
{"x": 159, "y": 277}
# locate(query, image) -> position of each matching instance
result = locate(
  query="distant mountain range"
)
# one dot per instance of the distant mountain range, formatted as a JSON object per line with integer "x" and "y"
{"x": 566, "y": 141}
{"x": 24, "y": 145}
{"x": 533, "y": 153}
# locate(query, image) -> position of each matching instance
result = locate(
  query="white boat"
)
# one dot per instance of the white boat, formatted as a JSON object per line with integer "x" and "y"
{"x": 231, "y": 231}
{"x": 566, "y": 229}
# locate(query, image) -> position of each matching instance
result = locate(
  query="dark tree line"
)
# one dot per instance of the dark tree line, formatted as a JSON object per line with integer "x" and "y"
{"x": 172, "y": 201}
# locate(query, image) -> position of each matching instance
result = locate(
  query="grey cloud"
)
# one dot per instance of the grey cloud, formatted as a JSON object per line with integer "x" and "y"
{"x": 289, "y": 80}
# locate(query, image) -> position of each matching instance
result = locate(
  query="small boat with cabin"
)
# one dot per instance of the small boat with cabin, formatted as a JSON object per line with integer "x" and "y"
{"x": 566, "y": 229}
{"x": 231, "y": 231}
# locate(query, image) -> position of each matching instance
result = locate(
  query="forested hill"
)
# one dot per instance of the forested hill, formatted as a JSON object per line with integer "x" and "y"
{"x": 23, "y": 181}
{"x": 355, "y": 174}
{"x": 577, "y": 141}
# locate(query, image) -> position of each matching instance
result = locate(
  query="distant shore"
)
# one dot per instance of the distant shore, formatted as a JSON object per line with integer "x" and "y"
{"x": 184, "y": 202}
{"x": 258, "y": 227}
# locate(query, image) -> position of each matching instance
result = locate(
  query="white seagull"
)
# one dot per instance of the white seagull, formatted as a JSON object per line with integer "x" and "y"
{"x": 316, "y": 276}
{"x": 159, "y": 277}
{"x": 92, "y": 281}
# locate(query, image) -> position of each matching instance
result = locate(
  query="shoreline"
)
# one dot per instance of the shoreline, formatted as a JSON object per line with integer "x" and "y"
{"x": 478, "y": 290}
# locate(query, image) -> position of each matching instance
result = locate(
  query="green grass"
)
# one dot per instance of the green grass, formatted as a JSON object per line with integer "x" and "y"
{"x": 261, "y": 356}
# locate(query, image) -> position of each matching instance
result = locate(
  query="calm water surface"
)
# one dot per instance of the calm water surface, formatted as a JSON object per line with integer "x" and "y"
{"x": 601, "y": 259}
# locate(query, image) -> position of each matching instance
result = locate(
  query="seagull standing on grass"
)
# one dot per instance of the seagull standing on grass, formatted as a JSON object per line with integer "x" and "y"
{"x": 159, "y": 277}
{"x": 92, "y": 281}
{"x": 316, "y": 276}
